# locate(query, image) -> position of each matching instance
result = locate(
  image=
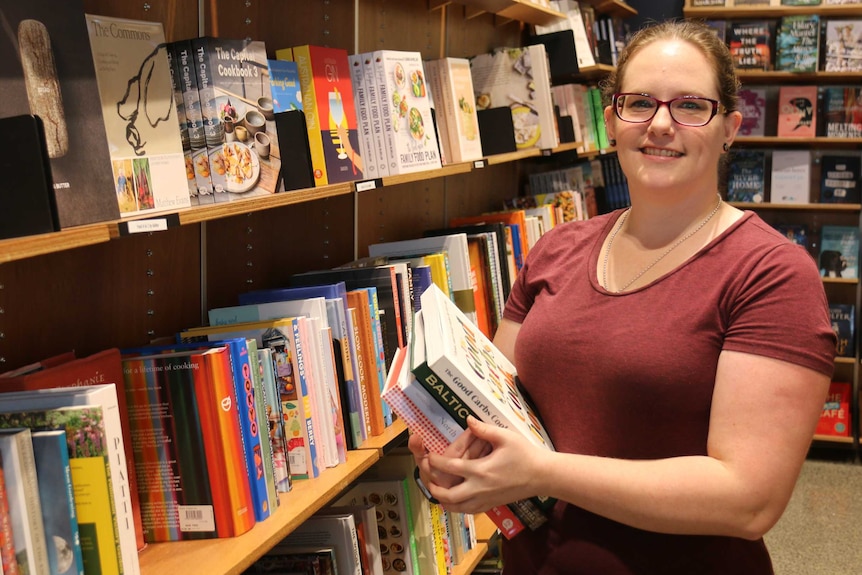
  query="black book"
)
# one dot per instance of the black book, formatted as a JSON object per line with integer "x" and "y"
{"x": 840, "y": 179}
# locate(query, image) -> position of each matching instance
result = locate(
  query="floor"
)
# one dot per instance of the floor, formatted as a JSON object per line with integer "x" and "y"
{"x": 821, "y": 530}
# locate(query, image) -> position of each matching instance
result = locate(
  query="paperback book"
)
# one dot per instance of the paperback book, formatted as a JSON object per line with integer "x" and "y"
{"x": 140, "y": 116}
{"x": 843, "y": 318}
{"x": 238, "y": 117}
{"x": 839, "y": 252}
{"x": 752, "y": 106}
{"x": 835, "y": 418}
{"x": 518, "y": 79}
{"x": 843, "y": 45}
{"x": 48, "y": 71}
{"x": 751, "y": 43}
{"x": 791, "y": 177}
{"x": 284, "y": 80}
{"x": 796, "y": 233}
{"x": 797, "y": 43}
{"x": 840, "y": 178}
{"x": 746, "y": 177}
{"x": 452, "y": 87}
{"x": 841, "y": 109}
{"x": 797, "y": 112}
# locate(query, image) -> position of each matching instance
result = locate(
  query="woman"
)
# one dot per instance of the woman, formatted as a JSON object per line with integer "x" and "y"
{"x": 679, "y": 351}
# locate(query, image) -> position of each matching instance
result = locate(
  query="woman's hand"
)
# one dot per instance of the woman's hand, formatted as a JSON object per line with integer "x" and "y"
{"x": 466, "y": 446}
{"x": 501, "y": 466}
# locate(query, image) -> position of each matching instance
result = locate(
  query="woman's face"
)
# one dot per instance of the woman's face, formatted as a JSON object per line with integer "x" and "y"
{"x": 661, "y": 154}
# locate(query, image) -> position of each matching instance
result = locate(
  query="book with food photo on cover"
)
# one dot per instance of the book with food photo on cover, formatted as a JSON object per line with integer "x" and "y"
{"x": 141, "y": 125}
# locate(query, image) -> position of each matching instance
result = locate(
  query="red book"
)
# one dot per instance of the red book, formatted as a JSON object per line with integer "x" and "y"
{"x": 835, "y": 419}
{"x": 797, "y": 112}
{"x": 65, "y": 370}
{"x": 7, "y": 543}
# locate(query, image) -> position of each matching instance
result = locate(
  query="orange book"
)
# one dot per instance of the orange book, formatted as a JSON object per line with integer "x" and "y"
{"x": 358, "y": 299}
{"x": 481, "y": 289}
{"x": 512, "y": 217}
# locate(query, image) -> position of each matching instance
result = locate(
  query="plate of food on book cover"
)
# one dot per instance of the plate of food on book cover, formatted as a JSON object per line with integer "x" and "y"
{"x": 416, "y": 124}
{"x": 230, "y": 108}
{"x": 238, "y": 164}
{"x": 400, "y": 76}
{"x": 526, "y": 123}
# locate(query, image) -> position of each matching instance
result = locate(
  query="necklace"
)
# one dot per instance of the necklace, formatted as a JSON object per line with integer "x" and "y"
{"x": 658, "y": 259}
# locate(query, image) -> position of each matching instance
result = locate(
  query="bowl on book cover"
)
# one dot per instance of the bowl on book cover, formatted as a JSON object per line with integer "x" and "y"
{"x": 266, "y": 107}
{"x": 239, "y": 165}
{"x": 255, "y": 122}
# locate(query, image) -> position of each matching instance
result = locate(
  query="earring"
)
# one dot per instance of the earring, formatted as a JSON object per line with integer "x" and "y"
{"x": 725, "y": 147}
{"x": 612, "y": 142}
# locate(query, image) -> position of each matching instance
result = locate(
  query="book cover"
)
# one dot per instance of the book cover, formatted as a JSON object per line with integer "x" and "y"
{"x": 337, "y": 531}
{"x": 8, "y": 562}
{"x": 797, "y": 43}
{"x": 188, "y": 447}
{"x": 839, "y": 251}
{"x": 840, "y": 178}
{"x": 238, "y": 117}
{"x": 746, "y": 177}
{"x": 330, "y": 112}
{"x": 284, "y": 81}
{"x": 452, "y": 86}
{"x": 175, "y": 65}
{"x": 841, "y": 109}
{"x": 184, "y": 60}
{"x": 408, "y": 128}
{"x": 56, "y": 495}
{"x": 138, "y": 108}
{"x": 303, "y": 560}
{"x": 518, "y": 79}
{"x": 835, "y": 417}
{"x": 719, "y": 27}
{"x": 797, "y": 112}
{"x": 751, "y": 43}
{"x": 116, "y": 509}
{"x": 752, "y": 106}
{"x": 843, "y": 45}
{"x": 49, "y": 72}
{"x": 275, "y": 421}
{"x": 91, "y": 477}
{"x": 843, "y": 318}
{"x": 25, "y": 511}
{"x": 796, "y": 233}
{"x": 101, "y": 368}
{"x": 791, "y": 177}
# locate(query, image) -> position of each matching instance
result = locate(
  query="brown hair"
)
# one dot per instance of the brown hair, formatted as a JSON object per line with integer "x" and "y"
{"x": 696, "y": 33}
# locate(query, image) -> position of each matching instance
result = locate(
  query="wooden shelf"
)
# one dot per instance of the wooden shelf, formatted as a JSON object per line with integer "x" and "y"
{"x": 710, "y": 12}
{"x": 833, "y": 439}
{"x": 30, "y": 246}
{"x": 789, "y": 142}
{"x": 845, "y": 360}
{"x": 798, "y": 207}
{"x": 393, "y": 436}
{"x": 520, "y": 10}
{"x": 231, "y": 556}
{"x": 613, "y": 8}
{"x": 782, "y": 77}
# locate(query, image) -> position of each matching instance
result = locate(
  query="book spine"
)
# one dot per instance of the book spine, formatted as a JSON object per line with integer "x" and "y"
{"x": 368, "y": 344}
{"x": 179, "y": 103}
{"x": 7, "y": 541}
{"x": 362, "y": 374}
{"x": 260, "y": 407}
{"x": 187, "y": 77}
{"x": 336, "y": 406}
{"x": 302, "y": 57}
{"x": 307, "y": 400}
{"x": 376, "y": 325}
{"x": 209, "y": 114}
{"x": 38, "y": 545}
{"x": 275, "y": 422}
{"x": 379, "y": 139}
{"x": 363, "y": 116}
{"x": 243, "y": 380}
{"x": 352, "y": 401}
{"x": 384, "y": 98}
{"x": 308, "y": 351}
{"x": 433, "y": 74}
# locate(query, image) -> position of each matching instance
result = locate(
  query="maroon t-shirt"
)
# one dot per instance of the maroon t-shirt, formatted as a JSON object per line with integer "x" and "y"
{"x": 631, "y": 376}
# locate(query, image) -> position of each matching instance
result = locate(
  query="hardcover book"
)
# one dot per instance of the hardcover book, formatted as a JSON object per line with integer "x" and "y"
{"x": 25, "y": 509}
{"x": 175, "y": 65}
{"x": 839, "y": 251}
{"x": 797, "y": 112}
{"x": 238, "y": 117}
{"x": 284, "y": 80}
{"x": 518, "y": 79}
{"x": 843, "y": 45}
{"x": 330, "y": 112}
{"x": 140, "y": 116}
{"x": 452, "y": 86}
{"x": 797, "y": 43}
{"x": 48, "y": 71}
{"x": 841, "y": 110}
{"x": 367, "y": 146}
{"x": 337, "y": 531}
{"x": 843, "y": 318}
{"x": 188, "y": 448}
{"x": 791, "y": 177}
{"x": 796, "y": 233}
{"x": 56, "y": 494}
{"x": 275, "y": 421}
{"x": 408, "y": 127}
{"x": 835, "y": 418}
{"x": 840, "y": 178}
{"x": 746, "y": 177}
{"x": 751, "y": 43}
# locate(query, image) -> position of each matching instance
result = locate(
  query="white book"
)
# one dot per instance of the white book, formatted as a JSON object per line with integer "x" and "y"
{"x": 791, "y": 177}
{"x": 25, "y": 509}
{"x": 407, "y": 122}
{"x": 363, "y": 116}
{"x": 104, "y": 395}
{"x": 455, "y": 245}
{"x": 483, "y": 378}
{"x": 452, "y": 85}
{"x": 337, "y": 531}
{"x": 575, "y": 22}
{"x": 381, "y": 147}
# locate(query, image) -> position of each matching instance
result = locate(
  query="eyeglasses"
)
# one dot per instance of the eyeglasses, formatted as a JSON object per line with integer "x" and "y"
{"x": 691, "y": 111}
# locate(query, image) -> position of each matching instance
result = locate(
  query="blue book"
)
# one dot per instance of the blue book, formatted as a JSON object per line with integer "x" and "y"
{"x": 421, "y": 281}
{"x": 374, "y": 309}
{"x": 284, "y": 80}
{"x": 58, "y": 502}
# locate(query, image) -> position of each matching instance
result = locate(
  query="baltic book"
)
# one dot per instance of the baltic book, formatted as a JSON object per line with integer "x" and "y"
{"x": 143, "y": 133}
{"x": 49, "y": 72}
{"x": 518, "y": 79}
{"x": 840, "y": 178}
{"x": 839, "y": 252}
{"x": 797, "y": 111}
{"x": 751, "y": 43}
{"x": 238, "y": 117}
{"x": 797, "y": 44}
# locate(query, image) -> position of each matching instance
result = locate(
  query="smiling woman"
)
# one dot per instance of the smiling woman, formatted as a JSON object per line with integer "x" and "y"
{"x": 681, "y": 303}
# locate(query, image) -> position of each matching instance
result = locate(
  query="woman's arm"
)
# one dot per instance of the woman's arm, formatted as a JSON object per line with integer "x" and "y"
{"x": 763, "y": 416}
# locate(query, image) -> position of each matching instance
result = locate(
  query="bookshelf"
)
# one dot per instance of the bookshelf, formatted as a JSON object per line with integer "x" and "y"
{"x": 814, "y": 215}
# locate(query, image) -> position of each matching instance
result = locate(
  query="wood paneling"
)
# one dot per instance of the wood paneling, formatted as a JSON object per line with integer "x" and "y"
{"x": 179, "y": 17}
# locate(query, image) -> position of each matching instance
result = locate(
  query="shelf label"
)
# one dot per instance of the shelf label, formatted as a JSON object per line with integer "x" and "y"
{"x": 479, "y": 164}
{"x": 149, "y": 225}
{"x": 369, "y": 185}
